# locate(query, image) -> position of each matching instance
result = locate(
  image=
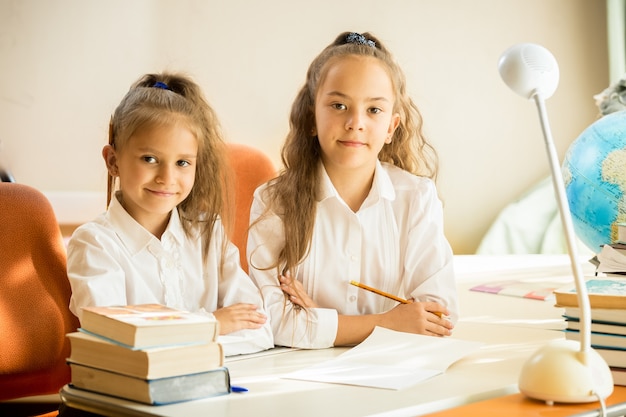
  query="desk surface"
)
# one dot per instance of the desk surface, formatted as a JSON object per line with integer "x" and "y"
{"x": 517, "y": 405}
{"x": 511, "y": 328}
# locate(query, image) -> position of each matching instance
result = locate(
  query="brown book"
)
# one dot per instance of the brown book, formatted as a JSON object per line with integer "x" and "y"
{"x": 149, "y": 325}
{"x": 152, "y": 391}
{"x": 604, "y": 292}
{"x": 148, "y": 363}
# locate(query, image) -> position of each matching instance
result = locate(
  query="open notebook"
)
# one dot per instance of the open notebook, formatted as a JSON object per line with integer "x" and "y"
{"x": 389, "y": 359}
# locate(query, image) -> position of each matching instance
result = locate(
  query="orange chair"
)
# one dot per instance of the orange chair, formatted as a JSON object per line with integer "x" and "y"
{"x": 251, "y": 168}
{"x": 34, "y": 299}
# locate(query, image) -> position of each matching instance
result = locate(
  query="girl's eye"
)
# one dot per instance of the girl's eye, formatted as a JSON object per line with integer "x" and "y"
{"x": 375, "y": 110}
{"x": 183, "y": 163}
{"x": 149, "y": 159}
{"x": 338, "y": 106}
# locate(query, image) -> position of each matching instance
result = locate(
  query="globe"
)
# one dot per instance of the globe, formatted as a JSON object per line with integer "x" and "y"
{"x": 594, "y": 173}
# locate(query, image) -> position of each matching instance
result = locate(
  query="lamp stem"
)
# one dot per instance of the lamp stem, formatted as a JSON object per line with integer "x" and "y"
{"x": 568, "y": 227}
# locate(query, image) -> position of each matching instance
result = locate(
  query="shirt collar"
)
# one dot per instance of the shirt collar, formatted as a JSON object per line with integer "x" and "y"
{"x": 382, "y": 187}
{"x": 133, "y": 235}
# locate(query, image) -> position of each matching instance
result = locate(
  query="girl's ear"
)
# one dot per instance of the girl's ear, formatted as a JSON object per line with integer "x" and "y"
{"x": 110, "y": 159}
{"x": 393, "y": 125}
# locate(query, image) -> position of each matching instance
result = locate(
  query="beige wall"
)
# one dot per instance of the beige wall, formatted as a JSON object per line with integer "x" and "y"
{"x": 65, "y": 64}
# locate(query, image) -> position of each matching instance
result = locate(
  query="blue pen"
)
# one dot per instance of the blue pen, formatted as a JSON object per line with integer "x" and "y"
{"x": 235, "y": 388}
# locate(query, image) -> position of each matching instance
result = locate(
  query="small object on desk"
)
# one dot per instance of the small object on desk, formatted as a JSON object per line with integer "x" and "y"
{"x": 385, "y": 294}
{"x": 236, "y": 388}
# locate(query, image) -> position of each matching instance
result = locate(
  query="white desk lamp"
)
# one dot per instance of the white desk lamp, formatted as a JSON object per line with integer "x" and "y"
{"x": 563, "y": 370}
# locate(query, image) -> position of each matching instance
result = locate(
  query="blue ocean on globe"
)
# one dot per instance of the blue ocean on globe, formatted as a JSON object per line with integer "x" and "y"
{"x": 594, "y": 173}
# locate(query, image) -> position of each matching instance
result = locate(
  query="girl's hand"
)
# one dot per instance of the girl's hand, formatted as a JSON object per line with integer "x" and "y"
{"x": 238, "y": 317}
{"x": 419, "y": 318}
{"x": 295, "y": 291}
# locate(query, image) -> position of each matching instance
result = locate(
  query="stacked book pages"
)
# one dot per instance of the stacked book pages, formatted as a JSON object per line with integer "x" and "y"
{"x": 607, "y": 298}
{"x": 148, "y": 353}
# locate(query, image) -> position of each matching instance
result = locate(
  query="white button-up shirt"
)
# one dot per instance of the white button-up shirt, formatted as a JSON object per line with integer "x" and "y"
{"x": 113, "y": 260}
{"x": 395, "y": 242}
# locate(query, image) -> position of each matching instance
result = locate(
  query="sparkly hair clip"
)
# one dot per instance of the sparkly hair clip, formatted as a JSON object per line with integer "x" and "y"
{"x": 162, "y": 85}
{"x": 359, "y": 39}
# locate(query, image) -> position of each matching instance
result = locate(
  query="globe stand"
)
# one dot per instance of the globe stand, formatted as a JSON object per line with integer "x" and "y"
{"x": 561, "y": 371}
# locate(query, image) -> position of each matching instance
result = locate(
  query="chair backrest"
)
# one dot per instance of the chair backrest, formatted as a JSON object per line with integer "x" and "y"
{"x": 34, "y": 298}
{"x": 251, "y": 168}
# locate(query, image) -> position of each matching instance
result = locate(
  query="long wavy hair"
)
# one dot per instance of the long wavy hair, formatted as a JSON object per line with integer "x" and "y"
{"x": 293, "y": 194}
{"x": 166, "y": 98}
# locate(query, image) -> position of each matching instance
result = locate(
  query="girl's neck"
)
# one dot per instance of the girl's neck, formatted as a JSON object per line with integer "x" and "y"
{"x": 155, "y": 224}
{"x": 353, "y": 185}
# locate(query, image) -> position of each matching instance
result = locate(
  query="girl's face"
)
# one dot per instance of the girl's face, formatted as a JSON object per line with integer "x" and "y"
{"x": 156, "y": 169}
{"x": 354, "y": 114}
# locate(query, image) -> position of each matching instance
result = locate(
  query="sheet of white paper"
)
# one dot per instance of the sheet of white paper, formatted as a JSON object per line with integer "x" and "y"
{"x": 389, "y": 359}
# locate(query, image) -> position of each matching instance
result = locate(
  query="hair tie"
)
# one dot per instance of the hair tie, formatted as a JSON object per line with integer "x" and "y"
{"x": 359, "y": 39}
{"x": 162, "y": 85}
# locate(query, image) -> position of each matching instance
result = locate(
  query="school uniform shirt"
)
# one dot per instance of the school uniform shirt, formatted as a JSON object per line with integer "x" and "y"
{"x": 395, "y": 242}
{"x": 113, "y": 260}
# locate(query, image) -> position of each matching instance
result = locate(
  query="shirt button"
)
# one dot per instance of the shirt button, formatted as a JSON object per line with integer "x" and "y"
{"x": 352, "y": 298}
{"x": 353, "y": 258}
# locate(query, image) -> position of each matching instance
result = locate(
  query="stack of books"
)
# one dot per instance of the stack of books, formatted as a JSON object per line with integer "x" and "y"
{"x": 607, "y": 298}
{"x": 148, "y": 353}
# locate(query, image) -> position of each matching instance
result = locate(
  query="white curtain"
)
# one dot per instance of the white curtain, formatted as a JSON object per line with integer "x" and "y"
{"x": 616, "y": 28}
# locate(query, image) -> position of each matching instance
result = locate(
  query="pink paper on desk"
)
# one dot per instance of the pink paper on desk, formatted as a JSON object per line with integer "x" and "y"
{"x": 530, "y": 288}
{"x": 389, "y": 359}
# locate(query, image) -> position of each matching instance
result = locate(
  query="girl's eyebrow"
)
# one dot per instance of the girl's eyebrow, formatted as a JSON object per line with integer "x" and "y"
{"x": 155, "y": 152}
{"x": 345, "y": 96}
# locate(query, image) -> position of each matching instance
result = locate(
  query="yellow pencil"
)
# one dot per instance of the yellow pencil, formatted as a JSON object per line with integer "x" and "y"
{"x": 384, "y": 294}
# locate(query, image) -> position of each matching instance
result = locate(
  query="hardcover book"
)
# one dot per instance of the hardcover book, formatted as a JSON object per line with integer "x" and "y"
{"x": 148, "y": 363}
{"x": 600, "y": 340}
{"x": 149, "y": 325}
{"x": 604, "y": 292}
{"x": 598, "y": 327}
{"x": 612, "y": 315}
{"x": 619, "y": 375}
{"x": 152, "y": 391}
{"x": 613, "y": 357}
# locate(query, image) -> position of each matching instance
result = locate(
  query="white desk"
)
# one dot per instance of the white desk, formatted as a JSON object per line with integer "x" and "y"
{"x": 511, "y": 328}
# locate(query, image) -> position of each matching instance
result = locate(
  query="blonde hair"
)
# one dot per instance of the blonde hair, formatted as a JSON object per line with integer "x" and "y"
{"x": 292, "y": 195}
{"x": 166, "y": 98}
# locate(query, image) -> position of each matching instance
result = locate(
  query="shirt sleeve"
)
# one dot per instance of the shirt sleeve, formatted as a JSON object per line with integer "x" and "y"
{"x": 95, "y": 274}
{"x": 428, "y": 266}
{"x": 292, "y": 326}
{"x": 235, "y": 286}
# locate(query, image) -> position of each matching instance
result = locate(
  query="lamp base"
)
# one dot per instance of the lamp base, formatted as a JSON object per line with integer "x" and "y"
{"x": 558, "y": 372}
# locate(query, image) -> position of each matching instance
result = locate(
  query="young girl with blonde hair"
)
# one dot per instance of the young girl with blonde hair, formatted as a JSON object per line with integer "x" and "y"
{"x": 356, "y": 201}
{"x": 162, "y": 239}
